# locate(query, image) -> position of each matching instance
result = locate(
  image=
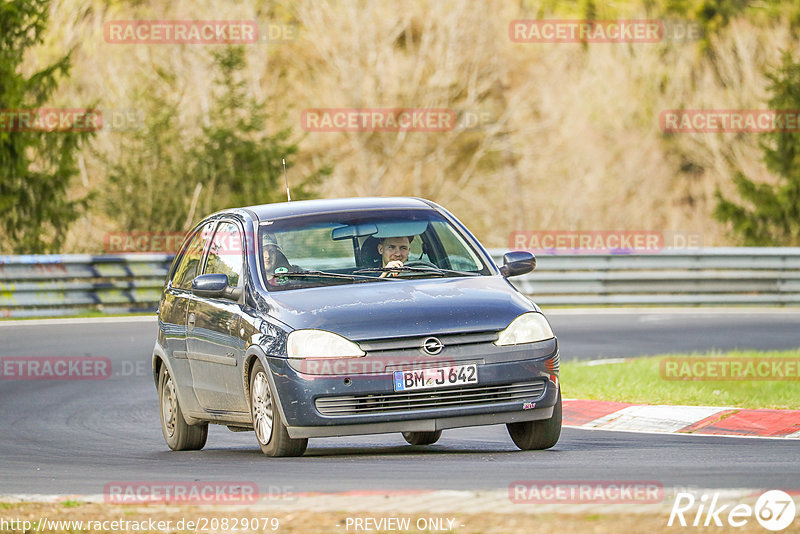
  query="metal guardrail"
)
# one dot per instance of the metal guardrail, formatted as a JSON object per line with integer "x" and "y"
{"x": 70, "y": 284}
{"x": 709, "y": 276}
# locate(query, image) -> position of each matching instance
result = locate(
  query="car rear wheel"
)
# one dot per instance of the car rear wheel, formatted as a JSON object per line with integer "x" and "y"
{"x": 422, "y": 438}
{"x": 271, "y": 433}
{"x": 537, "y": 435}
{"x": 179, "y": 435}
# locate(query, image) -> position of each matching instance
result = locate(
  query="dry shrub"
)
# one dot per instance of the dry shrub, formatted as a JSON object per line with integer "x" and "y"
{"x": 572, "y": 139}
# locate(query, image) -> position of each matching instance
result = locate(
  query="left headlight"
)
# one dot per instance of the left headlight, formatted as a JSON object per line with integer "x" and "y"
{"x": 320, "y": 344}
{"x": 527, "y": 328}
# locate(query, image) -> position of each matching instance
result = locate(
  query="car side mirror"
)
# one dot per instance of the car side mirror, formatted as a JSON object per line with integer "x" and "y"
{"x": 215, "y": 286}
{"x": 517, "y": 262}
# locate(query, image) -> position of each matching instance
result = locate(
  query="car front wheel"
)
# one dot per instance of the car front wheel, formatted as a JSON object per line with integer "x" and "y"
{"x": 179, "y": 435}
{"x": 270, "y": 431}
{"x": 537, "y": 435}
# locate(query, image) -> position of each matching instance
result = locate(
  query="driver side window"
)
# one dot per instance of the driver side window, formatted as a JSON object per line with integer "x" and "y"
{"x": 225, "y": 254}
{"x": 189, "y": 266}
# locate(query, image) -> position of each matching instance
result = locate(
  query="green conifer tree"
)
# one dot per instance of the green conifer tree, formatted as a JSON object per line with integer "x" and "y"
{"x": 36, "y": 164}
{"x": 770, "y": 215}
{"x": 240, "y": 161}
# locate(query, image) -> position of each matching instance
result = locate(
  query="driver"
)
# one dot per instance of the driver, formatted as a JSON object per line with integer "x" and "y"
{"x": 394, "y": 253}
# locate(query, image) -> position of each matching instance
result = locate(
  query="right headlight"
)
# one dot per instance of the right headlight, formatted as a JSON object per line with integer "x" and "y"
{"x": 527, "y": 328}
{"x": 320, "y": 344}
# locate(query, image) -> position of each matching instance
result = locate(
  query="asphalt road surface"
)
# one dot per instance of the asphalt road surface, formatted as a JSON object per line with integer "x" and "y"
{"x": 74, "y": 437}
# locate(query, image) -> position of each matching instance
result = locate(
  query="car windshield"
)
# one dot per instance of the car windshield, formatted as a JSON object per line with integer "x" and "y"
{"x": 355, "y": 247}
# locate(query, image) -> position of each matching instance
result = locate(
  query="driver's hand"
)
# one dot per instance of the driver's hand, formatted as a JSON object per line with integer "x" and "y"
{"x": 395, "y": 264}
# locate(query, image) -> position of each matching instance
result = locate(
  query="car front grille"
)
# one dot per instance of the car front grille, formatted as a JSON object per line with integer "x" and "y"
{"x": 425, "y": 400}
{"x": 416, "y": 342}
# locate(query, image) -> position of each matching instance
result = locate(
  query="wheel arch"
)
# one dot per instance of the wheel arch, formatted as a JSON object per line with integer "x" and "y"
{"x": 253, "y": 354}
{"x": 160, "y": 361}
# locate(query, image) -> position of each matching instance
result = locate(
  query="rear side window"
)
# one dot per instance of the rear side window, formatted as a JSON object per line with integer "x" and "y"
{"x": 225, "y": 254}
{"x": 189, "y": 266}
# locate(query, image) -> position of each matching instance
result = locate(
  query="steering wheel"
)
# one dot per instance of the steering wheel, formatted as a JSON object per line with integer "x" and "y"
{"x": 419, "y": 263}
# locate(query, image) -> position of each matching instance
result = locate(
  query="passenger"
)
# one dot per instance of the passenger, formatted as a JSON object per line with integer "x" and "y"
{"x": 394, "y": 253}
{"x": 275, "y": 261}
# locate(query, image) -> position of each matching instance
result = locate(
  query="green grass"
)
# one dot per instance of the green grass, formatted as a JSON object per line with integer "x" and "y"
{"x": 639, "y": 380}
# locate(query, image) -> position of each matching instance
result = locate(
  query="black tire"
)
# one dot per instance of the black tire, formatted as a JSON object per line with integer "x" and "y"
{"x": 179, "y": 435}
{"x": 270, "y": 431}
{"x": 537, "y": 435}
{"x": 422, "y": 438}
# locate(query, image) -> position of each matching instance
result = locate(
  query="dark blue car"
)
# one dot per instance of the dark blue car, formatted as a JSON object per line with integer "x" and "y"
{"x": 349, "y": 316}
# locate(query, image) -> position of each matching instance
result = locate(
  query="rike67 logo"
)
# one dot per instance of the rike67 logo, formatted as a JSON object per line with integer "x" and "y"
{"x": 774, "y": 510}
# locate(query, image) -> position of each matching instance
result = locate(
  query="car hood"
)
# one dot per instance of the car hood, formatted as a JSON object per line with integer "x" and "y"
{"x": 376, "y": 310}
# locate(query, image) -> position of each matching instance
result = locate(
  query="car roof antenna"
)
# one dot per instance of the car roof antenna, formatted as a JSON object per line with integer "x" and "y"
{"x": 286, "y": 178}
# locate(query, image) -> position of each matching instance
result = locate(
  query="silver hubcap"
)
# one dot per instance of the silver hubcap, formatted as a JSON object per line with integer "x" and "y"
{"x": 262, "y": 408}
{"x": 169, "y": 406}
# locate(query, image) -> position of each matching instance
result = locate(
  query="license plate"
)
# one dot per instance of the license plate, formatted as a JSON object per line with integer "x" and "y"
{"x": 437, "y": 377}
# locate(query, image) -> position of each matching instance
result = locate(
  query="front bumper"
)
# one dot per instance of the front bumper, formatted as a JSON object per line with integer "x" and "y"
{"x": 517, "y": 383}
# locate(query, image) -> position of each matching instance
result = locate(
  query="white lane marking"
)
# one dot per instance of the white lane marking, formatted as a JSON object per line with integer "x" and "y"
{"x": 655, "y": 418}
{"x": 80, "y": 320}
{"x": 655, "y": 318}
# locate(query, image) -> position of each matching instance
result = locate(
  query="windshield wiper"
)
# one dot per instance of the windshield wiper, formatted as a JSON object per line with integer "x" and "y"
{"x": 433, "y": 270}
{"x": 325, "y": 274}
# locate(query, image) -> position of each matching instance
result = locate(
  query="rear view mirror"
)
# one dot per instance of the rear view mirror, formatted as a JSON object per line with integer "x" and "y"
{"x": 215, "y": 286}
{"x": 354, "y": 230}
{"x": 517, "y": 263}
{"x": 401, "y": 228}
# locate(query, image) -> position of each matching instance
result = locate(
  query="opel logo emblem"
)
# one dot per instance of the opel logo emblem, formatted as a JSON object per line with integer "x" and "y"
{"x": 432, "y": 346}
